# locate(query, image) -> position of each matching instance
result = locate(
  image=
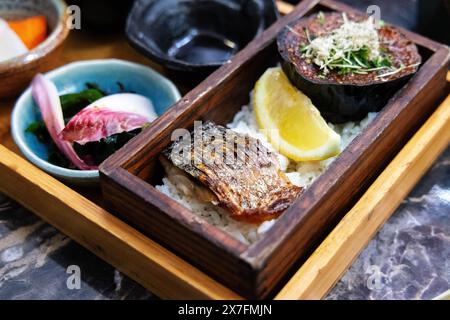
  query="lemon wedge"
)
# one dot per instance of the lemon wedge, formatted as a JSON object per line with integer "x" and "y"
{"x": 290, "y": 121}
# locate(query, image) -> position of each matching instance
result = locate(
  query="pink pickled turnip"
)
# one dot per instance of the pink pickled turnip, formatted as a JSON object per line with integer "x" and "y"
{"x": 107, "y": 116}
{"x": 46, "y": 96}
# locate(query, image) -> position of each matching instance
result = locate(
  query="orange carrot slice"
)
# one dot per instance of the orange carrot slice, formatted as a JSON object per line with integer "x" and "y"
{"x": 32, "y": 30}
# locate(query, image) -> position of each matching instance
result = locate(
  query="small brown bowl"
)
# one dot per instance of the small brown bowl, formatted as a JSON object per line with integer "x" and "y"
{"x": 16, "y": 73}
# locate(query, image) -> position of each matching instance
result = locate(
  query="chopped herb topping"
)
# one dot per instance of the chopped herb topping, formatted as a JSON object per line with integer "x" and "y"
{"x": 354, "y": 47}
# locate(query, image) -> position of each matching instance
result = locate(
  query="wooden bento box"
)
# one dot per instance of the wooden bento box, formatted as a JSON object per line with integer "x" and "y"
{"x": 257, "y": 270}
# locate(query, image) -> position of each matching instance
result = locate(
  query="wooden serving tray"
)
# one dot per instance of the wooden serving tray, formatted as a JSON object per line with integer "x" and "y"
{"x": 171, "y": 277}
{"x": 257, "y": 270}
{"x": 82, "y": 215}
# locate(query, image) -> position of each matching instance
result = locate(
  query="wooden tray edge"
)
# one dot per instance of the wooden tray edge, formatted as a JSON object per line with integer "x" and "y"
{"x": 156, "y": 268}
{"x": 271, "y": 257}
{"x": 170, "y": 277}
{"x": 343, "y": 245}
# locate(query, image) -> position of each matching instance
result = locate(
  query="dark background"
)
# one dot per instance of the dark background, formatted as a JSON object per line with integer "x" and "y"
{"x": 428, "y": 17}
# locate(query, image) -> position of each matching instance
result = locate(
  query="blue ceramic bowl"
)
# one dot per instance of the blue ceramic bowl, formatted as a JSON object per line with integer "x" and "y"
{"x": 72, "y": 78}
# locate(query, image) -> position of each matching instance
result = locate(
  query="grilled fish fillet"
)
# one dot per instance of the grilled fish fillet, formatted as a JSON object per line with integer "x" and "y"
{"x": 231, "y": 170}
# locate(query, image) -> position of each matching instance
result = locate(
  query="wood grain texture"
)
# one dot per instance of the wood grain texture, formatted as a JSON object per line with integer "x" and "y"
{"x": 207, "y": 93}
{"x": 228, "y": 88}
{"x": 173, "y": 278}
{"x": 256, "y": 271}
{"x": 140, "y": 265}
{"x": 336, "y": 253}
{"x": 159, "y": 270}
{"x": 17, "y": 73}
{"x": 78, "y": 46}
{"x": 146, "y": 262}
{"x": 139, "y": 249}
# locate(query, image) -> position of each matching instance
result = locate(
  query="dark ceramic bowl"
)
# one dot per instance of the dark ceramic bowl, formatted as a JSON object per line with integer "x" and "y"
{"x": 196, "y": 35}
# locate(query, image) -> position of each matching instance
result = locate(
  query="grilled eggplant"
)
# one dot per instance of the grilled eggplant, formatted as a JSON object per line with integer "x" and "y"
{"x": 346, "y": 94}
{"x": 231, "y": 170}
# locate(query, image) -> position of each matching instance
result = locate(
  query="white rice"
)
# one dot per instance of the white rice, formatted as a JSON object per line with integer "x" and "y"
{"x": 302, "y": 174}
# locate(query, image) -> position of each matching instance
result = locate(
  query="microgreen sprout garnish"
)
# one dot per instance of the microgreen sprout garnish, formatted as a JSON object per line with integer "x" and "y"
{"x": 321, "y": 17}
{"x": 354, "y": 47}
{"x": 397, "y": 70}
{"x": 308, "y": 36}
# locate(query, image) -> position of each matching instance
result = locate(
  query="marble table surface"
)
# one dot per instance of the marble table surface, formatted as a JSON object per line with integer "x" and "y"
{"x": 408, "y": 259}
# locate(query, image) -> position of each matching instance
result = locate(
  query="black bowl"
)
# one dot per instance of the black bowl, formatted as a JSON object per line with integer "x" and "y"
{"x": 196, "y": 35}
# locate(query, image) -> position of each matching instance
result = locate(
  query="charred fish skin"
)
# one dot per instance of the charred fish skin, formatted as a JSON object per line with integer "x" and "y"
{"x": 185, "y": 182}
{"x": 244, "y": 176}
